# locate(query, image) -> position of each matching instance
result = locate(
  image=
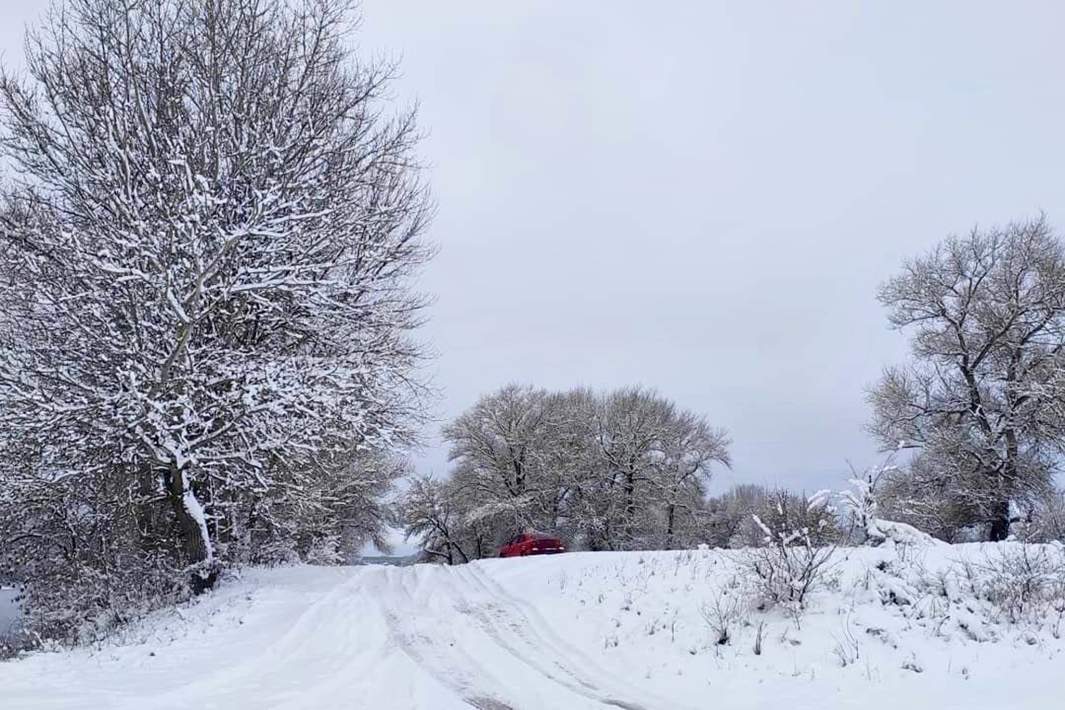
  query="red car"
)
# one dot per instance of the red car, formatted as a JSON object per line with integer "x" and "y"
{"x": 531, "y": 544}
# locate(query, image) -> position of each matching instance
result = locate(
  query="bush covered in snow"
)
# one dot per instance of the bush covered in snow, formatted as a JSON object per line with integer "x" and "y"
{"x": 982, "y": 593}
{"x": 792, "y": 562}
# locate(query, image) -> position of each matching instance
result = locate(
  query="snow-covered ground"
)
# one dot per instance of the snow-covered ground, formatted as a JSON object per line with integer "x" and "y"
{"x": 574, "y": 631}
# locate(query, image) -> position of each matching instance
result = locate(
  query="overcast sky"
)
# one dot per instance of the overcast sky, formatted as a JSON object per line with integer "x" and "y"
{"x": 702, "y": 197}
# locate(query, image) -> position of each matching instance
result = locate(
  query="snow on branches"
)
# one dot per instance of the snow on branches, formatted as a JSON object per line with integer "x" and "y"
{"x": 621, "y": 470}
{"x": 981, "y": 402}
{"x": 206, "y": 259}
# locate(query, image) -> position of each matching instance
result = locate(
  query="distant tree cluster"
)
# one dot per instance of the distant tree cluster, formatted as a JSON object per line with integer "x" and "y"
{"x": 204, "y": 306}
{"x": 740, "y": 516}
{"x": 619, "y": 471}
{"x": 976, "y": 422}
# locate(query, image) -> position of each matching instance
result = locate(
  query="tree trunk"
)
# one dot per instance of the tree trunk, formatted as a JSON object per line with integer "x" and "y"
{"x": 194, "y": 542}
{"x": 671, "y": 516}
{"x": 630, "y": 505}
{"x": 519, "y": 477}
{"x": 1007, "y": 483}
{"x": 1000, "y": 521}
{"x": 1006, "y": 486}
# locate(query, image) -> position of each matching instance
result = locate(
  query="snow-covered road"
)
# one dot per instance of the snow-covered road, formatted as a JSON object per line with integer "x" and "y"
{"x": 363, "y": 637}
{"x": 579, "y": 631}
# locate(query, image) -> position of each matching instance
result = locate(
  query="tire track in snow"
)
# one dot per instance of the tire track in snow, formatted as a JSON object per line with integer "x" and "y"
{"x": 498, "y": 635}
{"x": 535, "y": 633}
{"x": 319, "y": 639}
{"x": 470, "y": 662}
{"x": 421, "y": 638}
{"x": 269, "y": 664}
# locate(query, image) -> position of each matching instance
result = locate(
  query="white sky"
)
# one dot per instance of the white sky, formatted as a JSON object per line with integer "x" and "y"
{"x": 703, "y": 197}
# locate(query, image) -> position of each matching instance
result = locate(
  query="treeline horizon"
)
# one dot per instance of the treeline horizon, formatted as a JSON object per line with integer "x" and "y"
{"x": 976, "y": 421}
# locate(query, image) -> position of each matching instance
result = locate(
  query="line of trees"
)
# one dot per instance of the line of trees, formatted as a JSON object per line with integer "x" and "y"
{"x": 978, "y": 416}
{"x": 617, "y": 471}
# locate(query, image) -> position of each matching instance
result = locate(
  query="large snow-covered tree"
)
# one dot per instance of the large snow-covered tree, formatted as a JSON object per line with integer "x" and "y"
{"x": 207, "y": 244}
{"x": 655, "y": 459}
{"x": 499, "y": 445}
{"x": 984, "y": 399}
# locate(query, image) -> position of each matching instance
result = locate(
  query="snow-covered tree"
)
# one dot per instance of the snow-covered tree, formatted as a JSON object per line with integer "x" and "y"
{"x": 516, "y": 457}
{"x": 499, "y": 448}
{"x": 432, "y": 514}
{"x": 984, "y": 399}
{"x": 729, "y": 516}
{"x": 689, "y": 447}
{"x": 206, "y": 251}
{"x": 630, "y": 429}
{"x": 1047, "y": 520}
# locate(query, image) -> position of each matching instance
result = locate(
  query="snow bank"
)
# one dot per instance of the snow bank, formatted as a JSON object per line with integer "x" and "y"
{"x": 897, "y": 626}
{"x": 886, "y": 531}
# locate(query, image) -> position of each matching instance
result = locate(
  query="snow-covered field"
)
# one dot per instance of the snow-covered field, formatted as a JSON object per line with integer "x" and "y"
{"x": 582, "y": 630}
